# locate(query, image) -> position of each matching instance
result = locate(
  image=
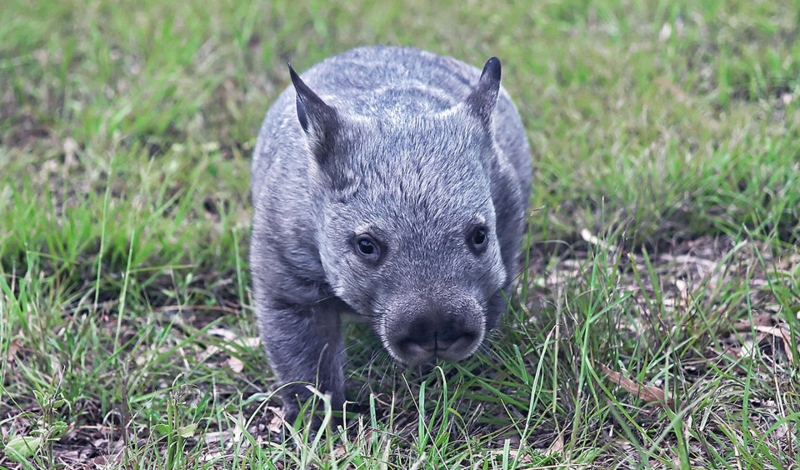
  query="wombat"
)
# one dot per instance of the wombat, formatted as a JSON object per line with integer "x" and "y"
{"x": 389, "y": 183}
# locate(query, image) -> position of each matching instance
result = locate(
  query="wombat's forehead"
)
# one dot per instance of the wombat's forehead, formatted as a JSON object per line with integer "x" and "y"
{"x": 409, "y": 101}
{"x": 421, "y": 199}
{"x": 419, "y": 177}
{"x": 421, "y": 151}
{"x": 425, "y": 162}
{"x": 422, "y": 175}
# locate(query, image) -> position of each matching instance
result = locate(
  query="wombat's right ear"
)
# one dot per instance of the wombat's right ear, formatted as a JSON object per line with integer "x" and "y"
{"x": 317, "y": 119}
{"x": 483, "y": 98}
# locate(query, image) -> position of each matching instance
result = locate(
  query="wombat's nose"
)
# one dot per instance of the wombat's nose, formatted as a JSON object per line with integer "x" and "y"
{"x": 426, "y": 337}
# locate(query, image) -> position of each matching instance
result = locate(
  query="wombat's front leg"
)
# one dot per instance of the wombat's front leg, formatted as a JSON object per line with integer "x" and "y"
{"x": 305, "y": 347}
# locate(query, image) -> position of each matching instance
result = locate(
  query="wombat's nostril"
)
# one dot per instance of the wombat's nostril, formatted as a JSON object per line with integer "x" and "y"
{"x": 452, "y": 344}
{"x": 446, "y": 340}
{"x": 415, "y": 345}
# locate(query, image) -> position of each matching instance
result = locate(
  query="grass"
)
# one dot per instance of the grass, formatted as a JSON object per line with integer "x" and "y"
{"x": 664, "y": 236}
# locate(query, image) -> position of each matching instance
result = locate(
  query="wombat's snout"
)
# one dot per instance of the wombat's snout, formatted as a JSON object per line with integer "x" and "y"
{"x": 416, "y": 334}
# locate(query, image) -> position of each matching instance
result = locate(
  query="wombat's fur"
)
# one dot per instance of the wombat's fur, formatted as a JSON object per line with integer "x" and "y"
{"x": 390, "y": 183}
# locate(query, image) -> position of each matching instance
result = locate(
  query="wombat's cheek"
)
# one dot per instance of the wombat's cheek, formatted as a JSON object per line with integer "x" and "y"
{"x": 422, "y": 330}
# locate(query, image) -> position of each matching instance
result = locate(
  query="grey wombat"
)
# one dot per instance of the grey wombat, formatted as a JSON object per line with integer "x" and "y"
{"x": 390, "y": 183}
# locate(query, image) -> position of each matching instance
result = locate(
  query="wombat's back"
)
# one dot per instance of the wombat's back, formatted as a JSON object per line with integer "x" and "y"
{"x": 388, "y": 82}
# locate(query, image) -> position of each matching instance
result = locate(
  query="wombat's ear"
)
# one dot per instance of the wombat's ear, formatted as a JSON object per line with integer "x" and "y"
{"x": 483, "y": 98}
{"x": 317, "y": 119}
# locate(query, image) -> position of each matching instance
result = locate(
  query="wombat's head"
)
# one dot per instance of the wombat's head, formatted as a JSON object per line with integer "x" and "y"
{"x": 406, "y": 221}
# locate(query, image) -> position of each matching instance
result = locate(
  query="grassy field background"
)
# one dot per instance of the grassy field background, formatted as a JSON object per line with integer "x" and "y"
{"x": 656, "y": 326}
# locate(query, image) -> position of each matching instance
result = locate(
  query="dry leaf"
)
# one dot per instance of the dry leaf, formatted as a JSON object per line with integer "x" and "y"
{"x": 107, "y": 461}
{"x": 223, "y": 333}
{"x": 780, "y": 332}
{"x": 252, "y": 342}
{"x": 13, "y": 349}
{"x": 763, "y": 319}
{"x": 651, "y": 395}
{"x": 235, "y": 364}
{"x": 276, "y": 423}
{"x": 216, "y": 437}
{"x": 230, "y": 339}
{"x": 556, "y": 445}
{"x": 594, "y": 240}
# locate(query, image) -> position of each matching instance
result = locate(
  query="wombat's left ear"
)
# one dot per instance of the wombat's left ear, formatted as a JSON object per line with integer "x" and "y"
{"x": 318, "y": 120}
{"x": 483, "y": 98}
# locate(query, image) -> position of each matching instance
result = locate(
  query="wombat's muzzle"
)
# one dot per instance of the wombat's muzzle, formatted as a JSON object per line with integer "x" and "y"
{"x": 419, "y": 330}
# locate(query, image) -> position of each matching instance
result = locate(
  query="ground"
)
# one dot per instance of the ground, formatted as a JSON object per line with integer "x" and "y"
{"x": 655, "y": 324}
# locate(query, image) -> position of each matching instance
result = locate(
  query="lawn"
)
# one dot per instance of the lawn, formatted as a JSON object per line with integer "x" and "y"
{"x": 656, "y": 325}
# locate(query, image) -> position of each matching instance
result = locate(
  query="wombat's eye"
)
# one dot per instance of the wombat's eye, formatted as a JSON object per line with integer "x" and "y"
{"x": 479, "y": 237}
{"x": 367, "y": 247}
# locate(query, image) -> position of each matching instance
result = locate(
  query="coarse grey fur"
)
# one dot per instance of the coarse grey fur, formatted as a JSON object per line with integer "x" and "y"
{"x": 390, "y": 183}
